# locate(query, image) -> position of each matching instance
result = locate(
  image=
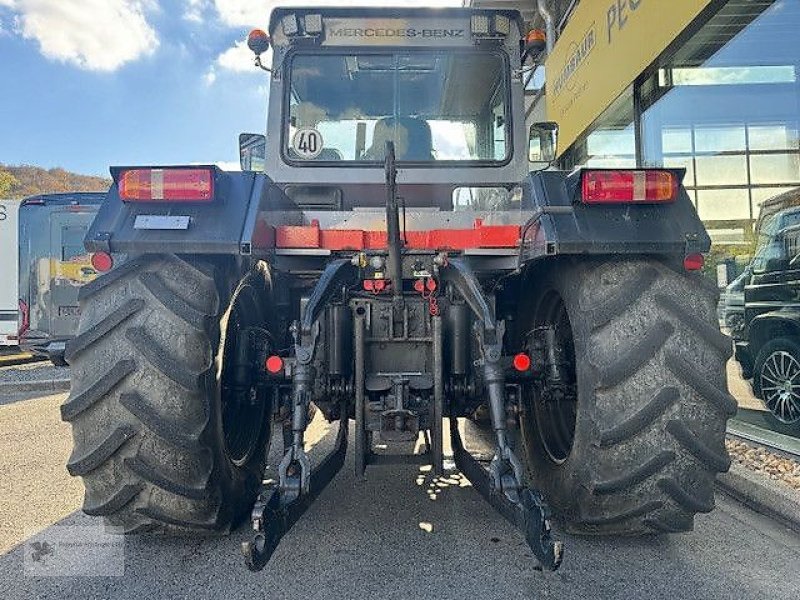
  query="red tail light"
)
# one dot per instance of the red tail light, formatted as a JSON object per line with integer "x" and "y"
{"x": 274, "y": 364}
{"x": 170, "y": 185}
{"x": 694, "y": 262}
{"x": 522, "y": 362}
{"x": 102, "y": 262}
{"x": 628, "y": 187}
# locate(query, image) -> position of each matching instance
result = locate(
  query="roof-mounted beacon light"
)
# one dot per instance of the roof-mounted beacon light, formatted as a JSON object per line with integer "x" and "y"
{"x": 534, "y": 44}
{"x": 258, "y": 41}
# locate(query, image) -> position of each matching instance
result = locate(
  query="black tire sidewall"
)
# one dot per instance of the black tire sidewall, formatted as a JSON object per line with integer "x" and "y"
{"x": 561, "y": 482}
{"x": 239, "y": 482}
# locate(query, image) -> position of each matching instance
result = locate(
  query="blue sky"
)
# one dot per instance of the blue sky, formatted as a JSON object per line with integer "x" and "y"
{"x": 157, "y": 94}
{"x": 85, "y": 84}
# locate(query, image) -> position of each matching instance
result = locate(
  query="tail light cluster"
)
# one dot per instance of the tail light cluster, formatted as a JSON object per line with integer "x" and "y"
{"x": 628, "y": 186}
{"x": 166, "y": 185}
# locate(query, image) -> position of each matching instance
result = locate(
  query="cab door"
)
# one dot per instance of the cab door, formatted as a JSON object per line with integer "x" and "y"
{"x": 70, "y": 268}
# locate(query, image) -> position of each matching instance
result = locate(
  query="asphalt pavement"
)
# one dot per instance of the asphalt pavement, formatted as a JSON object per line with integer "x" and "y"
{"x": 399, "y": 534}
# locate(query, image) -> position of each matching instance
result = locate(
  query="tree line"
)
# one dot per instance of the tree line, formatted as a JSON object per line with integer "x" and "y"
{"x": 21, "y": 181}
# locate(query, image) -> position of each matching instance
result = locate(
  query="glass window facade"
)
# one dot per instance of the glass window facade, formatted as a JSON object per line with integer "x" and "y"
{"x": 611, "y": 141}
{"x": 723, "y": 103}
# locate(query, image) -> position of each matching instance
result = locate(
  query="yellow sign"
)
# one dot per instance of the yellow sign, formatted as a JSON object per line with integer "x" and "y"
{"x": 605, "y": 46}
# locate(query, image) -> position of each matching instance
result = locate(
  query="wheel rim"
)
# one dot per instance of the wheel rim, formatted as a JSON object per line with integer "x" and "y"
{"x": 243, "y": 412}
{"x": 555, "y": 412}
{"x": 780, "y": 386}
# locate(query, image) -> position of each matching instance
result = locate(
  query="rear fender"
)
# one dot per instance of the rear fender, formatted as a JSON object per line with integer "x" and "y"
{"x": 227, "y": 225}
{"x": 563, "y": 225}
{"x": 784, "y": 322}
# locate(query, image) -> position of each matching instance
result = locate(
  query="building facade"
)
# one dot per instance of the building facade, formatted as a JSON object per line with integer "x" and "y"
{"x": 719, "y": 96}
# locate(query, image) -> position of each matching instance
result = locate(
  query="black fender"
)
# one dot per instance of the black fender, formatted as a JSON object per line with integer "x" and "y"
{"x": 228, "y": 225}
{"x": 784, "y": 322}
{"x": 563, "y": 225}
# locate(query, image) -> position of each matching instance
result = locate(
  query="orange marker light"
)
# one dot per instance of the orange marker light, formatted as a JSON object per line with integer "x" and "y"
{"x": 258, "y": 41}
{"x": 536, "y": 35}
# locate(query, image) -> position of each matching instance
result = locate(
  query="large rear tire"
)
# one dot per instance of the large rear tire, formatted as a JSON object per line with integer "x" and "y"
{"x": 157, "y": 437}
{"x": 636, "y": 445}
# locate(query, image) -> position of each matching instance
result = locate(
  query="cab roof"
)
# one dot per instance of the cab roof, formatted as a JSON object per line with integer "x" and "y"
{"x": 394, "y": 12}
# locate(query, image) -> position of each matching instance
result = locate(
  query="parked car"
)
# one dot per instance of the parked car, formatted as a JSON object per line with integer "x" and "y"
{"x": 9, "y": 311}
{"x": 53, "y": 265}
{"x": 769, "y": 349}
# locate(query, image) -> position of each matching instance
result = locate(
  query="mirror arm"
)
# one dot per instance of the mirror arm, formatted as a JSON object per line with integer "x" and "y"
{"x": 261, "y": 66}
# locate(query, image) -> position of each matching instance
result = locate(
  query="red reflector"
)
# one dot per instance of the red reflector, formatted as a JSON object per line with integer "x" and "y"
{"x": 157, "y": 185}
{"x": 522, "y": 362}
{"x": 623, "y": 187}
{"x": 102, "y": 261}
{"x": 419, "y": 285}
{"x": 431, "y": 285}
{"x": 369, "y": 285}
{"x": 274, "y": 364}
{"x": 694, "y": 262}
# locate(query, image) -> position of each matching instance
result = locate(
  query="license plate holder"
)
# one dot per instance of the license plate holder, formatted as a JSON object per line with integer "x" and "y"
{"x": 162, "y": 222}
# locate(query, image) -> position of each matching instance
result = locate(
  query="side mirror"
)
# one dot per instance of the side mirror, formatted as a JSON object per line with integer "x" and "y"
{"x": 543, "y": 143}
{"x": 252, "y": 151}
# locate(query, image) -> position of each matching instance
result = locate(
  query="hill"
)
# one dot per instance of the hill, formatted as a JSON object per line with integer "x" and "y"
{"x": 26, "y": 180}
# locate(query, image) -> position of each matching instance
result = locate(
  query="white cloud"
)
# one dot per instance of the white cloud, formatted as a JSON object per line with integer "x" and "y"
{"x": 238, "y": 58}
{"x": 195, "y": 10}
{"x": 244, "y": 13}
{"x": 97, "y": 35}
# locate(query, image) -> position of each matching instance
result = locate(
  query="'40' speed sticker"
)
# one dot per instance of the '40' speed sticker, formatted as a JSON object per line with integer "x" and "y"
{"x": 307, "y": 142}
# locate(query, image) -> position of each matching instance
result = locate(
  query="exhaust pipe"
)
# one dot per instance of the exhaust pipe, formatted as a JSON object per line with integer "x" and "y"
{"x": 549, "y": 23}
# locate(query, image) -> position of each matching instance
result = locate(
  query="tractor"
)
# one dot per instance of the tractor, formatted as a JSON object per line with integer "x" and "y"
{"x": 398, "y": 252}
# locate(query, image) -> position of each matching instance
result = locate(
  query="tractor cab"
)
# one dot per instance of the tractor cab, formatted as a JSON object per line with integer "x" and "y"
{"x": 444, "y": 86}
